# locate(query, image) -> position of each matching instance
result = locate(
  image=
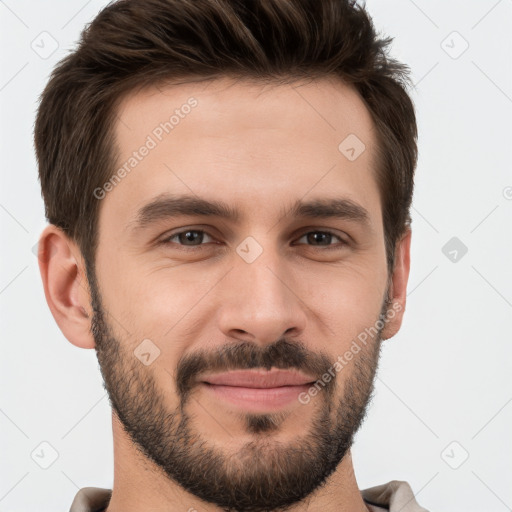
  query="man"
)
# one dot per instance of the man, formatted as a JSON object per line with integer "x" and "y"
{"x": 228, "y": 188}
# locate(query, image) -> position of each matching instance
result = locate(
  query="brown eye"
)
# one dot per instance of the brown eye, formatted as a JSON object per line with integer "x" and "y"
{"x": 322, "y": 239}
{"x": 187, "y": 238}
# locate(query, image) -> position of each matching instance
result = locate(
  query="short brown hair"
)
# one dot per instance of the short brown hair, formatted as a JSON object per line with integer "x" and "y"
{"x": 136, "y": 43}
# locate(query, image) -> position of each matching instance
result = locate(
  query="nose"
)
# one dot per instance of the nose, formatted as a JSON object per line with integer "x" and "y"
{"x": 261, "y": 301}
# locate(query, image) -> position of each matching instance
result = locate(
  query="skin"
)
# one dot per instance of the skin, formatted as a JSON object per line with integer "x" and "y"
{"x": 258, "y": 148}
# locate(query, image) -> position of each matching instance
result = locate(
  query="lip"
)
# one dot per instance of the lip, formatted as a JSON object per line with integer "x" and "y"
{"x": 259, "y": 379}
{"x": 257, "y": 390}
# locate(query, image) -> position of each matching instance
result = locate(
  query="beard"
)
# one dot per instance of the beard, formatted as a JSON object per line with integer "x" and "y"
{"x": 264, "y": 474}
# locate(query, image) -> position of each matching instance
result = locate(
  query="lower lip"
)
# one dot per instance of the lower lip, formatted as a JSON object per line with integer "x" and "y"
{"x": 257, "y": 399}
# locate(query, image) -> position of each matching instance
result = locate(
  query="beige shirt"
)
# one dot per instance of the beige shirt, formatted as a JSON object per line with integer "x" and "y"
{"x": 395, "y": 496}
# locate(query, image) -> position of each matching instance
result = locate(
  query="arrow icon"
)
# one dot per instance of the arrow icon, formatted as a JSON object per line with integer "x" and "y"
{"x": 146, "y": 352}
{"x": 454, "y": 249}
{"x": 44, "y": 455}
{"x": 249, "y": 249}
{"x": 351, "y": 147}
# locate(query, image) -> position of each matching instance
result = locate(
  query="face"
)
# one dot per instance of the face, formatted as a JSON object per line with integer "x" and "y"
{"x": 241, "y": 258}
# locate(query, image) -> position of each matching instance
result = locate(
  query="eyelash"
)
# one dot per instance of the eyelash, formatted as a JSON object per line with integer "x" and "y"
{"x": 167, "y": 240}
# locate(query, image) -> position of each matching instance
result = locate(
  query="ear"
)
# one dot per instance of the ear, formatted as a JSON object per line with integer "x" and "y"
{"x": 398, "y": 286}
{"x": 65, "y": 285}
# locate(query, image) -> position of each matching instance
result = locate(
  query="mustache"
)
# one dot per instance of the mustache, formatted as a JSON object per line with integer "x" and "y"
{"x": 281, "y": 354}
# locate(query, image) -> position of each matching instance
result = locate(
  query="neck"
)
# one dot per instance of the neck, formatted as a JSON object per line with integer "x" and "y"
{"x": 139, "y": 484}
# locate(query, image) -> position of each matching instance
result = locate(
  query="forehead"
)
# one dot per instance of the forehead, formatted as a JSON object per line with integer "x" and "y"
{"x": 257, "y": 146}
{"x": 227, "y": 106}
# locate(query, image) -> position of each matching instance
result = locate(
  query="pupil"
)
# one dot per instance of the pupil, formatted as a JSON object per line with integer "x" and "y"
{"x": 315, "y": 237}
{"x": 191, "y": 236}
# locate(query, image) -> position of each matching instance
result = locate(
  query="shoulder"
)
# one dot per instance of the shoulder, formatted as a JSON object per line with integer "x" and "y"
{"x": 91, "y": 499}
{"x": 395, "y": 495}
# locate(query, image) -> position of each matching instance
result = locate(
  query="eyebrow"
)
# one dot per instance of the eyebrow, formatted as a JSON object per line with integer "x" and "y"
{"x": 167, "y": 206}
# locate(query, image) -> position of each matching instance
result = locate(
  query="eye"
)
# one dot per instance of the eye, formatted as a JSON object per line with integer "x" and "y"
{"x": 187, "y": 238}
{"x": 196, "y": 237}
{"x": 323, "y": 239}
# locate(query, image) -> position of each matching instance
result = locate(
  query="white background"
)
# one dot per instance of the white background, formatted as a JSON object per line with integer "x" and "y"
{"x": 446, "y": 377}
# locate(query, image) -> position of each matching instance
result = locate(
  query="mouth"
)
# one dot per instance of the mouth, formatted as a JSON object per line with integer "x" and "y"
{"x": 257, "y": 390}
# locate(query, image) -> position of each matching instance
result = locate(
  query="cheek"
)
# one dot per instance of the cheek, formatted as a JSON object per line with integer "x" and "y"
{"x": 347, "y": 302}
{"x": 156, "y": 303}
{"x": 175, "y": 303}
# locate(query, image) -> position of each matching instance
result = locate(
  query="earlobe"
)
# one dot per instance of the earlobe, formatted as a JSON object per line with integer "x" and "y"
{"x": 398, "y": 286}
{"x": 65, "y": 285}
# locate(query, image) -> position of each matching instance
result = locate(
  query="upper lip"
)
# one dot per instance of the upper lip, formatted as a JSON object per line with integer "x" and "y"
{"x": 258, "y": 378}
